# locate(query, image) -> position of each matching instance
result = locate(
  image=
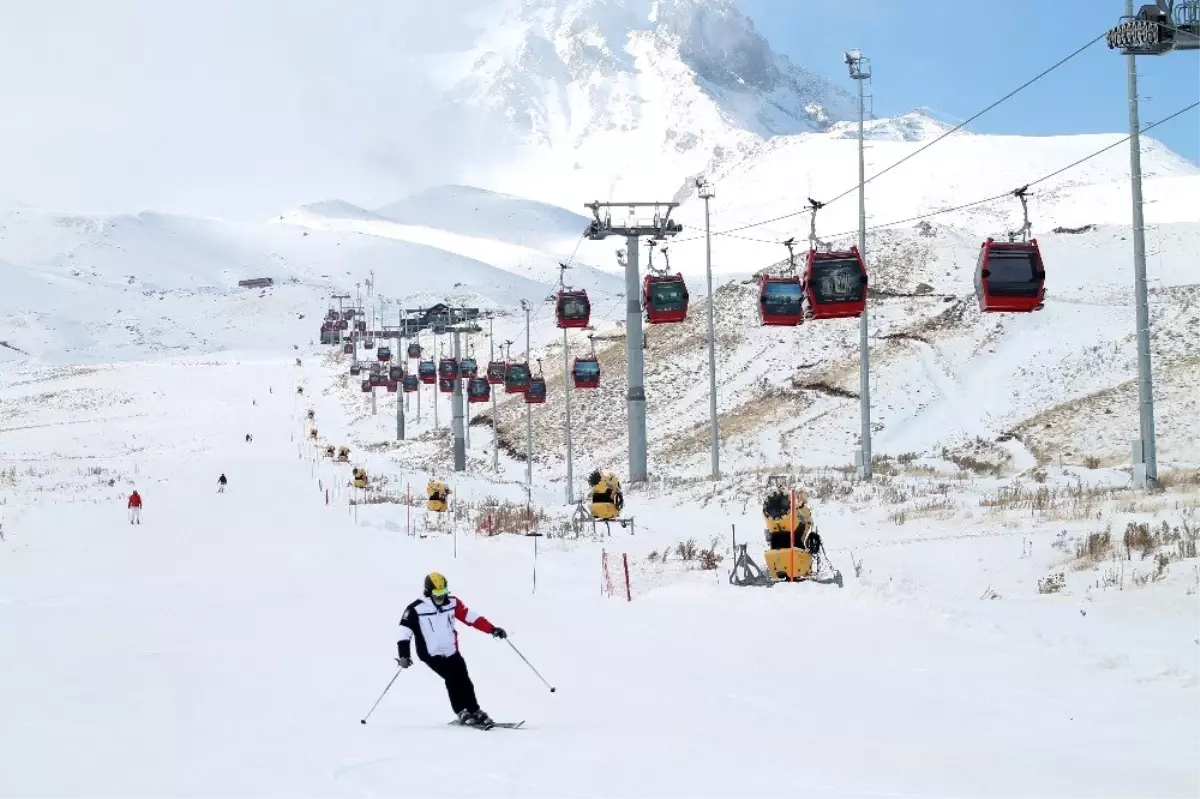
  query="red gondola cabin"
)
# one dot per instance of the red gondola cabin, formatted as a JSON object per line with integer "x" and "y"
{"x": 536, "y": 393}
{"x": 1010, "y": 277}
{"x": 573, "y": 309}
{"x": 468, "y": 368}
{"x": 446, "y": 385}
{"x": 384, "y": 354}
{"x": 427, "y": 372}
{"x": 366, "y": 386}
{"x": 495, "y": 372}
{"x": 347, "y": 348}
{"x": 781, "y": 301}
{"x": 392, "y": 386}
{"x": 585, "y": 372}
{"x": 516, "y": 378}
{"x": 414, "y": 350}
{"x": 665, "y": 298}
{"x": 835, "y": 284}
{"x": 447, "y": 368}
{"x": 411, "y": 383}
{"x": 395, "y": 372}
{"x": 478, "y": 390}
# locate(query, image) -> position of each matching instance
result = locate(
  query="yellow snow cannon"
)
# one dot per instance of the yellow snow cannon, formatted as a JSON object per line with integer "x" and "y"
{"x": 358, "y": 477}
{"x": 607, "y": 499}
{"x": 436, "y": 495}
{"x": 791, "y": 541}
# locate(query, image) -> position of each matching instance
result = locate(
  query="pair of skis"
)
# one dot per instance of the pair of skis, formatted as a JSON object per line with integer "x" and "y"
{"x": 504, "y": 725}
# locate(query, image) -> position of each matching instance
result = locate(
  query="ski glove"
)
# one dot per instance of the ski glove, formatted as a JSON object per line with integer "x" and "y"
{"x": 404, "y": 663}
{"x": 499, "y": 633}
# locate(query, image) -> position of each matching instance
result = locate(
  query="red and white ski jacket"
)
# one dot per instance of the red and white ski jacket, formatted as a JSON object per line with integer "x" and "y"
{"x": 432, "y": 627}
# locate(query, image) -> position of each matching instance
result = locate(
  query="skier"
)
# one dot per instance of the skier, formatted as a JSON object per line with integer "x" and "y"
{"x": 135, "y": 507}
{"x": 221, "y": 481}
{"x": 249, "y": 438}
{"x": 430, "y": 620}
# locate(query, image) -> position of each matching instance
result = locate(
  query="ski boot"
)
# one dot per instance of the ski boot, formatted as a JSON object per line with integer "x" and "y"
{"x": 466, "y": 718}
{"x": 482, "y": 719}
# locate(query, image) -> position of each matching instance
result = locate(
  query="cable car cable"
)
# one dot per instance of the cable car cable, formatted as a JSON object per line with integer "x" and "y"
{"x": 923, "y": 147}
{"x": 1042, "y": 179}
{"x": 1007, "y": 194}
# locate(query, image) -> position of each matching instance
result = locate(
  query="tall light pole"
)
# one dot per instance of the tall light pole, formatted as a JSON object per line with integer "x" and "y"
{"x": 860, "y": 70}
{"x": 562, "y": 285}
{"x": 706, "y": 193}
{"x": 1152, "y": 32}
{"x": 528, "y": 410}
{"x": 492, "y": 357}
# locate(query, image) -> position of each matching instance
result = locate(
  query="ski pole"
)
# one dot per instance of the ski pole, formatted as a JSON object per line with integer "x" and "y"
{"x": 530, "y": 665}
{"x": 363, "y": 720}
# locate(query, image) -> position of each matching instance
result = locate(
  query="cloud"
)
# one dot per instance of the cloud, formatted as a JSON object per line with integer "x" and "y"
{"x": 234, "y": 108}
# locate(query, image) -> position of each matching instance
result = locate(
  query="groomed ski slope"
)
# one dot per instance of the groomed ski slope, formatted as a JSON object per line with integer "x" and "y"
{"x": 229, "y": 645}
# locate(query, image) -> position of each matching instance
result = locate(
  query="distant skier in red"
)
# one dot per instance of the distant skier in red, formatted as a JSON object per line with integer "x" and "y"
{"x": 135, "y": 508}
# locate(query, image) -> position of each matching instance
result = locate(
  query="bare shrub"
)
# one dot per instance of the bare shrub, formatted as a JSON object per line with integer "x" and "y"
{"x": 1091, "y": 462}
{"x": 494, "y": 517}
{"x": 1052, "y": 584}
{"x": 1094, "y": 546}
{"x": 710, "y": 558}
{"x": 687, "y": 550}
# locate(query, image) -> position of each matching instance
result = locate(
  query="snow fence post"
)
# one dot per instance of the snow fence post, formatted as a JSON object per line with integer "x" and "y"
{"x": 625, "y": 563}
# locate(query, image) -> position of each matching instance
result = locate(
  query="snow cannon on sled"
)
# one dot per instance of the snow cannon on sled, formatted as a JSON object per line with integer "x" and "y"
{"x": 343, "y": 455}
{"x": 358, "y": 477}
{"x": 329, "y": 451}
{"x": 437, "y": 495}
{"x": 607, "y": 499}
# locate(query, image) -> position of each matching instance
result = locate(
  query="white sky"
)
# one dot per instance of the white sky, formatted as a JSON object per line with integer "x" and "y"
{"x": 231, "y": 108}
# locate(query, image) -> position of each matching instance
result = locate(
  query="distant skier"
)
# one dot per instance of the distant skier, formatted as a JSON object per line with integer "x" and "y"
{"x": 430, "y": 620}
{"x": 221, "y": 481}
{"x": 249, "y": 438}
{"x": 135, "y": 508}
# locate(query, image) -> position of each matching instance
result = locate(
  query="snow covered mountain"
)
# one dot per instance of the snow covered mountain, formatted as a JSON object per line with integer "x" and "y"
{"x": 620, "y": 96}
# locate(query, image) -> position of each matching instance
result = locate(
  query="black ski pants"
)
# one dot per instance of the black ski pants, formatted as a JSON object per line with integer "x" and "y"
{"x": 453, "y": 669}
